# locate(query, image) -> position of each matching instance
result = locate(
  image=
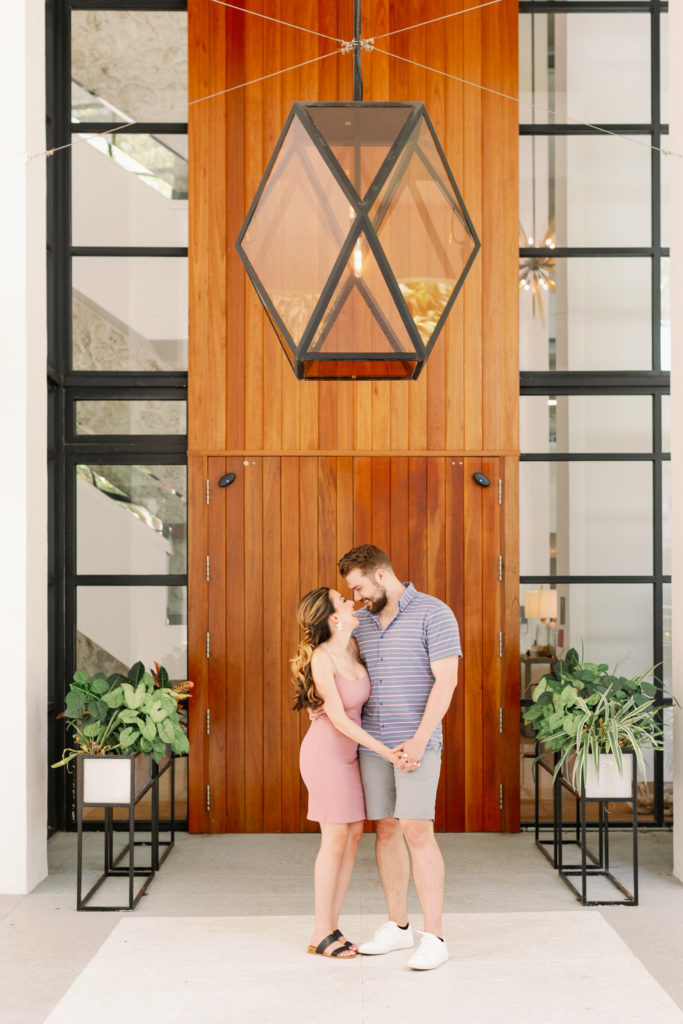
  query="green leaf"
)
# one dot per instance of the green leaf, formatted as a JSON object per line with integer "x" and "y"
{"x": 145, "y": 745}
{"x": 92, "y": 729}
{"x": 148, "y": 680}
{"x": 81, "y": 676}
{"x": 148, "y": 729}
{"x": 181, "y": 744}
{"x": 128, "y": 736}
{"x": 99, "y": 684}
{"x": 75, "y": 704}
{"x": 545, "y": 698}
{"x": 539, "y": 689}
{"x": 130, "y": 715}
{"x": 100, "y": 709}
{"x": 114, "y": 699}
{"x": 133, "y": 698}
{"x": 167, "y": 731}
{"x": 649, "y": 689}
{"x": 135, "y": 673}
{"x": 162, "y": 677}
{"x": 158, "y": 712}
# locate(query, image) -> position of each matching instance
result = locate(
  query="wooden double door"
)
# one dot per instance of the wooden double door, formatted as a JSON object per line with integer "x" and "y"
{"x": 276, "y": 531}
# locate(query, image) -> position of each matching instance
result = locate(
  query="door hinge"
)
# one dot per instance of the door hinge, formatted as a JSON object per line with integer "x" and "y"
{"x": 500, "y": 645}
{"x": 500, "y": 800}
{"x": 208, "y": 722}
{"x": 500, "y": 568}
{"x": 208, "y": 798}
{"x": 208, "y": 644}
{"x": 500, "y": 719}
{"x": 500, "y": 491}
{"x": 208, "y": 492}
{"x": 208, "y": 568}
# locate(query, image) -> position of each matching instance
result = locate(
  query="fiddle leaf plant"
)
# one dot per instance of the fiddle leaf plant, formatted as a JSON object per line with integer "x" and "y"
{"x": 136, "y": 713}
{"x": 582, "y": 710}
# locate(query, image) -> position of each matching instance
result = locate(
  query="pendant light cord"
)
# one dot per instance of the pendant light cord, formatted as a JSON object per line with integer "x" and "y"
{"x": 357, "y": 50}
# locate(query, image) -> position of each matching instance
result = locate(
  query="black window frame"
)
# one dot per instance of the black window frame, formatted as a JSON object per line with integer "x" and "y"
{"x": 654, "y": 382}
{"x": 65, "y": 449}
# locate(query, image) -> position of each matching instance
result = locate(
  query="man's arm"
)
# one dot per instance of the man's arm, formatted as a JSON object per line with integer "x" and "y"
{"x": 445, "y": 681}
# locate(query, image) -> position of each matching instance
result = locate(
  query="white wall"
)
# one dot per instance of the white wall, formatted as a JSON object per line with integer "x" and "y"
{"x": 23, "y": 515}
{"x": 676, "y": 219}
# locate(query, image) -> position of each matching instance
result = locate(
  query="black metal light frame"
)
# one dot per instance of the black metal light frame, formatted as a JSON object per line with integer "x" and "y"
{"x": 303, "y": 352}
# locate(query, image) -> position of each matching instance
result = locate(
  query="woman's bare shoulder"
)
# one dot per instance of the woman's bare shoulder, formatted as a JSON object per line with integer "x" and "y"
{"x": 321, "y": 658}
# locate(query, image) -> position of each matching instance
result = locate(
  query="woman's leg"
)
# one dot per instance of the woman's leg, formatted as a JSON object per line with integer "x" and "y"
{"x": 355, "y": 831}
{"x": 333, "y": 843}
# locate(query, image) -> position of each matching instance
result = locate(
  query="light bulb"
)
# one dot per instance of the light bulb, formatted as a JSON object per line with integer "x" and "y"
{"x": 531, "y": 241}
{"x": 357, "y": 261}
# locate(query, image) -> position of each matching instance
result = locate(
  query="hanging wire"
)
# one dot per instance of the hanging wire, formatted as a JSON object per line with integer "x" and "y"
{"x": 356, "y": 46}
{"x": 357, "y": 52}
{"x": 191, "y": 103}
{"x": 528, "y": 103}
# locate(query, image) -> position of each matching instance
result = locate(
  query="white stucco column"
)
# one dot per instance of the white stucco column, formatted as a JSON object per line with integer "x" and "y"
{"x": 676, "y": 206}
{"x": 23, "y": 405}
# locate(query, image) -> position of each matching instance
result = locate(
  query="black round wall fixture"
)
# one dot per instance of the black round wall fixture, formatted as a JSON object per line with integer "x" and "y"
{"x": 481, "y": 479}
{"x": 226, "y": 480}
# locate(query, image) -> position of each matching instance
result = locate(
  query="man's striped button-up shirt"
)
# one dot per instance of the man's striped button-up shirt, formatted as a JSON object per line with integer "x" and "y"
{"x": 399, "y": 659}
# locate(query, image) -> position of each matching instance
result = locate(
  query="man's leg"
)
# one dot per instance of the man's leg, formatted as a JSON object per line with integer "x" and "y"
{"x": 394, "y": 868}
{"x": 428, "y": 870}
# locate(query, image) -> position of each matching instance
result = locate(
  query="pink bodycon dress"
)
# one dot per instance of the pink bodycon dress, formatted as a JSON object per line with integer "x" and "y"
{"x": 329, "y": 760}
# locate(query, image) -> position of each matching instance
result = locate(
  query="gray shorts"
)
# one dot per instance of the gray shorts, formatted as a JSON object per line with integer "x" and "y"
{"x": 391, "y": 793}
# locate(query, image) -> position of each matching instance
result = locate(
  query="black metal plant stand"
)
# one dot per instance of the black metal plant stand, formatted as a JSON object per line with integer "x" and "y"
{"x": 113, "y": 868}
{"x": 590, "y": 864}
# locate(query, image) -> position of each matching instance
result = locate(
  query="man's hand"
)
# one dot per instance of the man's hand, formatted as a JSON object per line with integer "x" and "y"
{"x": 410, "y": 752}
{"x": 314, "y": 714}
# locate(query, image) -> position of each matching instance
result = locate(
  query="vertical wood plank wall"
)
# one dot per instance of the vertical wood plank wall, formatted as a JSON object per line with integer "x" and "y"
{"x": 244, "y": 401}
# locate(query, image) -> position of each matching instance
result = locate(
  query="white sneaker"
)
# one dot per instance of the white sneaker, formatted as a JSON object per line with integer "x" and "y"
{"x": 386, "y": 938}
{"x": 431, "y": 953}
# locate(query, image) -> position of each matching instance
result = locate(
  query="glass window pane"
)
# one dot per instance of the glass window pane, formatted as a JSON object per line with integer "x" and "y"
{"x": 586, "y": 423}
{"x": 585, "y": 314}
{"x": 129, "y": 65}
{"x": 575, "y": 189}
{"x": 138, "y": 416}
{"x": 128, "y": 190}
{"x": 130, "y": 313}
{"x": 666, "y": 424}
{"x": 117, "y": 626}
{"x": 664, "y": 66}
{"x": 666, "y": 518}
{"x": 585, "y": 518}
{"x": 664, "y": 204}
{"x": 591, "y": 67}
{"x": 131, "y": 519}
{"x": 665, "y": 316}
{"x": 666, "y": 673}
{"x": 612, "y": 622}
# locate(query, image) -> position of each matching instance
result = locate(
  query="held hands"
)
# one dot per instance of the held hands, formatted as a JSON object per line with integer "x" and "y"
{"x": 410, "y": 754}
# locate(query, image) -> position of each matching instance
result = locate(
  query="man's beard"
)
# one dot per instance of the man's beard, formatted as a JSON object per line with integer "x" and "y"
{"x": 378, "y": 601}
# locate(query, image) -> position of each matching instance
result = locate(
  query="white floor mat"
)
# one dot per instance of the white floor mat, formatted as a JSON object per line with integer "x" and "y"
{"x": 568, "y": 968}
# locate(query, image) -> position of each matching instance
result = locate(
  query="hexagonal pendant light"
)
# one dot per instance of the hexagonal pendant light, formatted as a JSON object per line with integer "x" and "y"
{"x": 358, "y": 240}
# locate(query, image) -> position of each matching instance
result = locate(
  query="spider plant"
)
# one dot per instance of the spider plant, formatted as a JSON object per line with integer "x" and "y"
{"x": 582, "y": 711}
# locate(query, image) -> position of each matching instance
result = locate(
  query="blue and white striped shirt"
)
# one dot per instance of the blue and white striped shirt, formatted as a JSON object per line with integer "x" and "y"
{"x": 398, "y": 660}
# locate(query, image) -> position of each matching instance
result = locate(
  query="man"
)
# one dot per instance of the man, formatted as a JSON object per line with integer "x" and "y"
{"x": 410, "y": 644}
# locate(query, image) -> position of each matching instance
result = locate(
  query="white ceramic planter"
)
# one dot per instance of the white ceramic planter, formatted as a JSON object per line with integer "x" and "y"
{"x": 610, "y": 784}
{"x": 107, "y": 779}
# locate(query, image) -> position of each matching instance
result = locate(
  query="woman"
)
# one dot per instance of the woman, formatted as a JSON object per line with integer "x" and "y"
{"x": 329, "y": 676}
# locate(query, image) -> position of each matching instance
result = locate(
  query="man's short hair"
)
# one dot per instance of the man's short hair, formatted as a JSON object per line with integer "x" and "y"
{"x": 365, "y": 557}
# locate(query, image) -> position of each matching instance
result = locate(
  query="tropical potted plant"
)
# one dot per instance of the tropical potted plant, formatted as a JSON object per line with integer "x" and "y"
{"x": 597, "y": 721}
{"x": 119, "y": 725}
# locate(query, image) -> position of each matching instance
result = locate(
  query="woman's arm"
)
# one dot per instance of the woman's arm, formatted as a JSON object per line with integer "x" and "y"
{"x": 323, "y": 677}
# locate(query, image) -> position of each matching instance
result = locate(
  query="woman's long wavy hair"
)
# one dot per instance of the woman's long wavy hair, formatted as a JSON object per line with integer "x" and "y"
{"x": 313, "y": 613}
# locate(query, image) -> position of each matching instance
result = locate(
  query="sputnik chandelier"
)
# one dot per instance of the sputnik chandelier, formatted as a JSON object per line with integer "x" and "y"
{"x": 358, "y": 240}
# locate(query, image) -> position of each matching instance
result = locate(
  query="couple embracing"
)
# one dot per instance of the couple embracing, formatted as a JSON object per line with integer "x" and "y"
{"x": 376, "y": 683}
